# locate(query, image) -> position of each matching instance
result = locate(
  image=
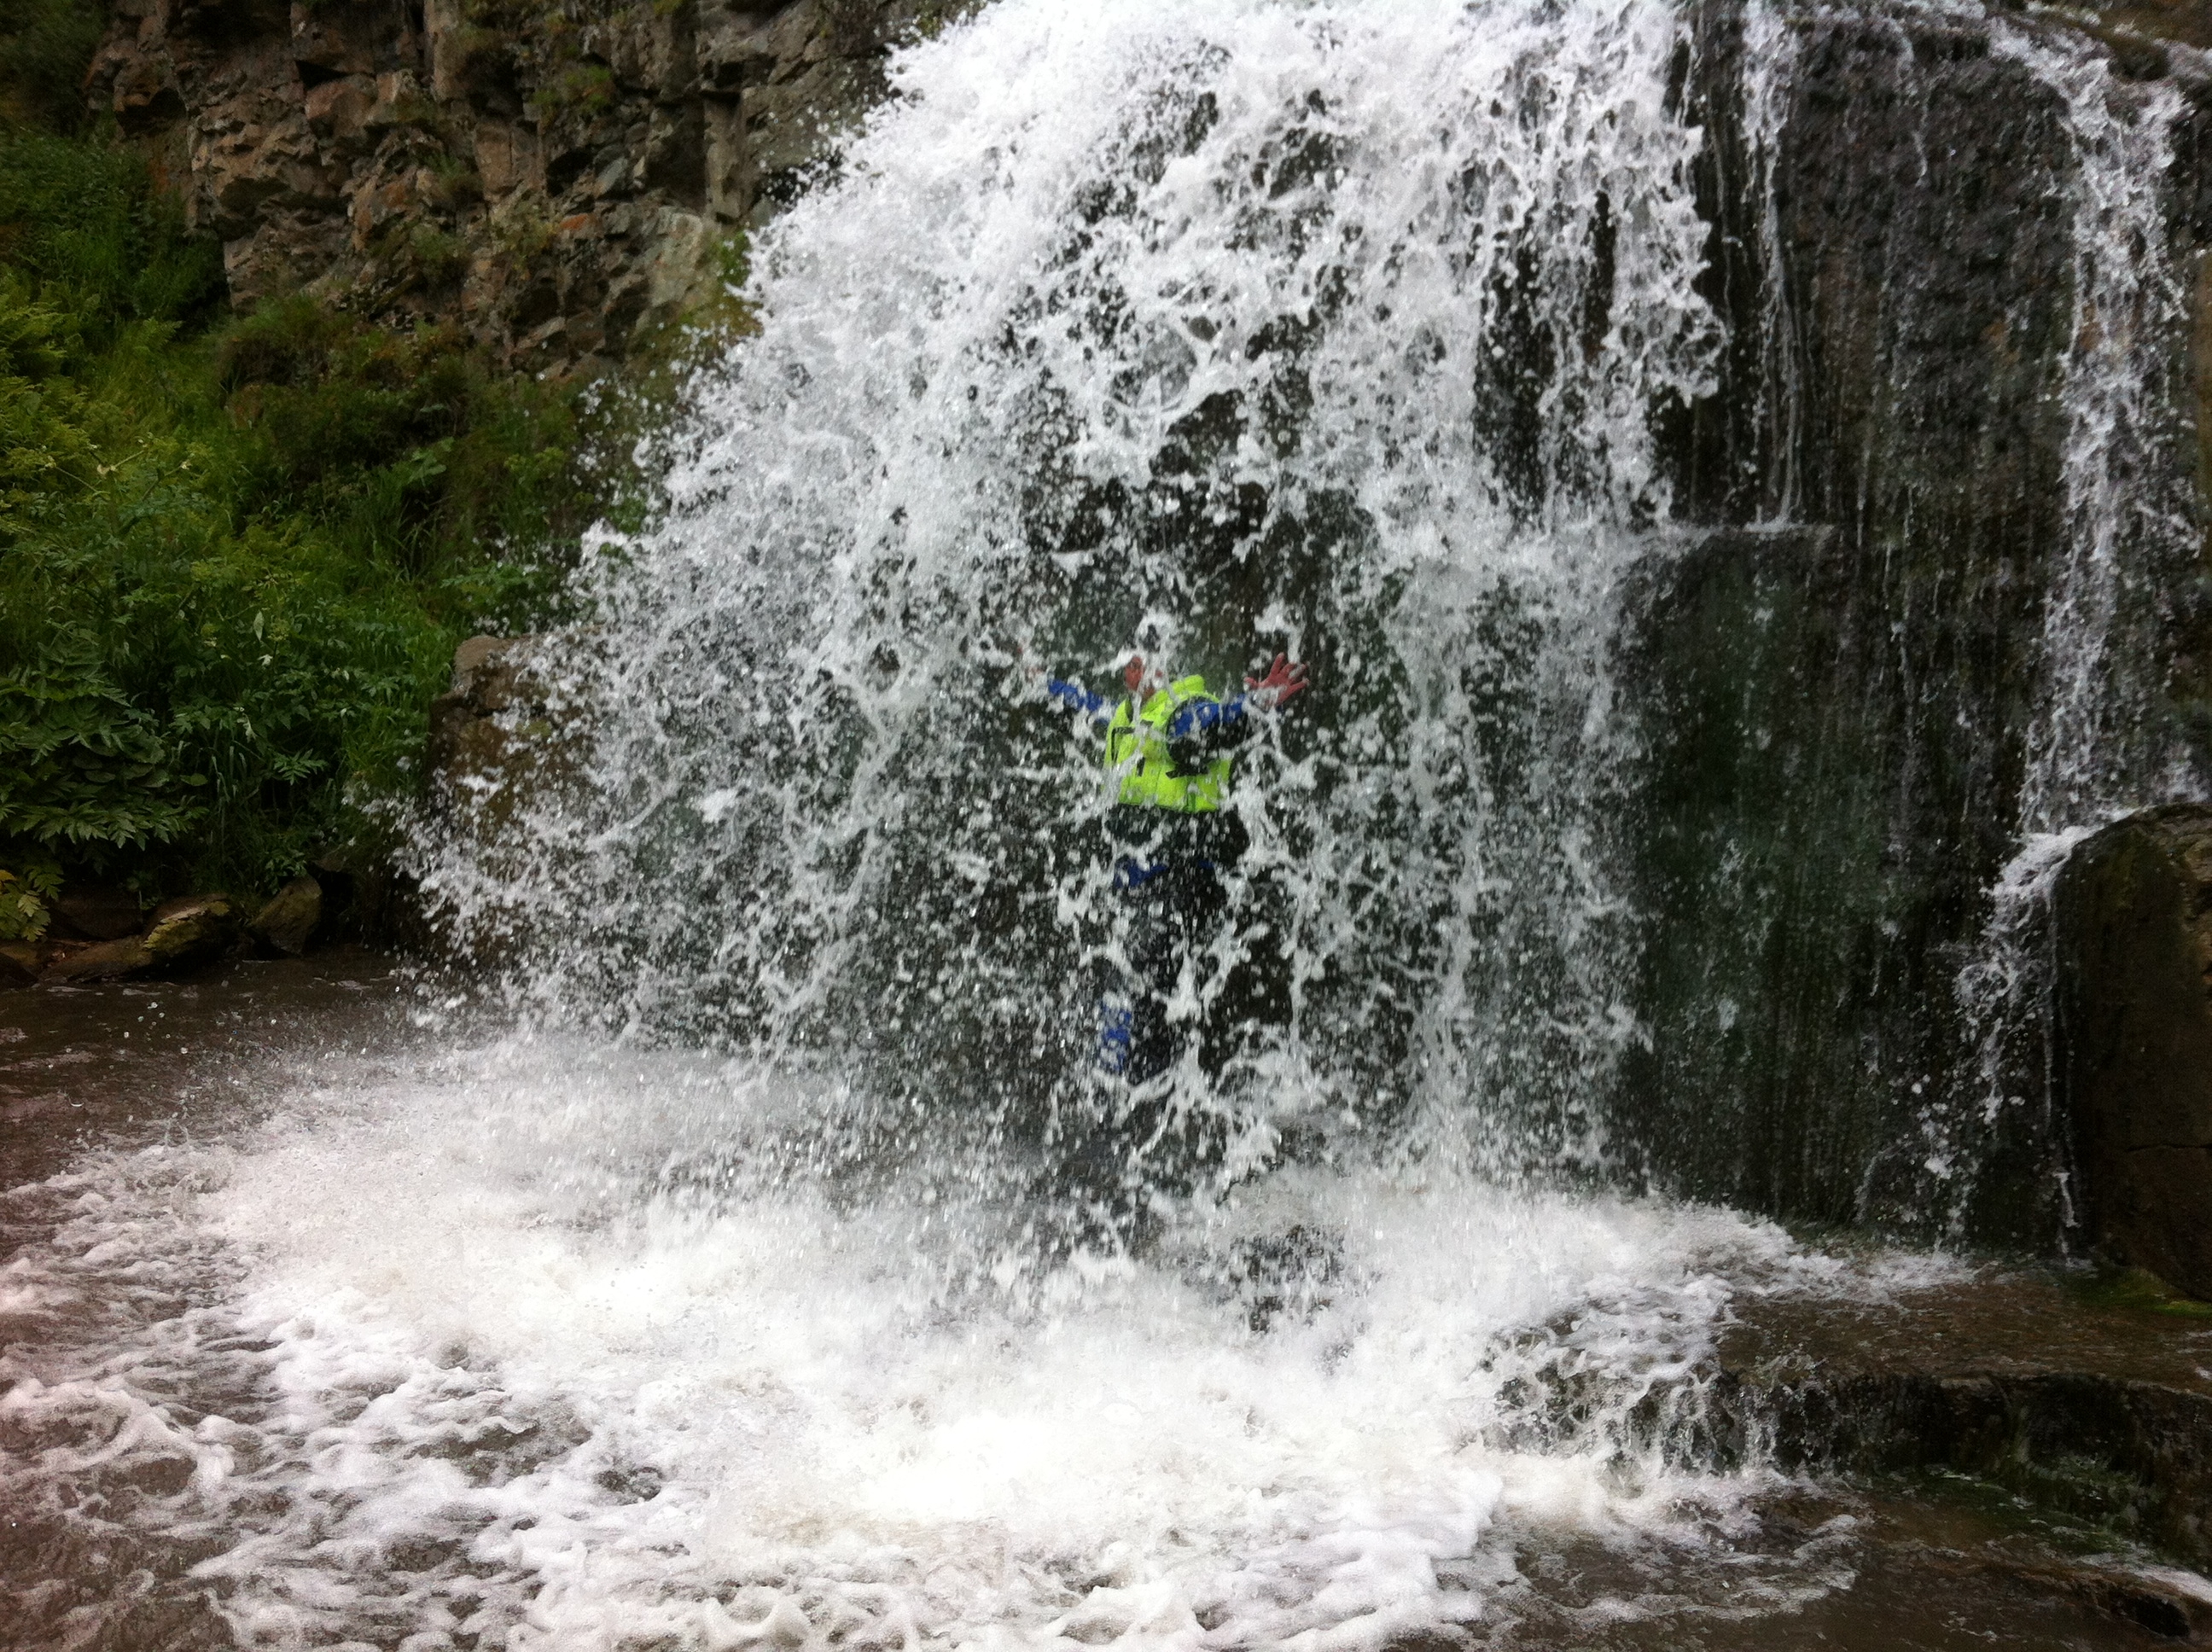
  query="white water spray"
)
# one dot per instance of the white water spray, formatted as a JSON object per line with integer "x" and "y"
{"x": 501, "y": 1372}
{"x": 1337, "y": 330}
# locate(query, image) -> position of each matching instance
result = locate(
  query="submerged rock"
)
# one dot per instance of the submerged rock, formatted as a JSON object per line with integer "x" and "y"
{"x": 2133, "y": 1021}
{"x": 287, "y": 920}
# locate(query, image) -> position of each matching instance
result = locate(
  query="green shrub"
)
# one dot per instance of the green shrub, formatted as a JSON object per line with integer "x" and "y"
{"x": 45, "y": 47}
{"x": 234, "y": 559}
{"x": 79, "y": 218}
{"x": 26, "y": 899}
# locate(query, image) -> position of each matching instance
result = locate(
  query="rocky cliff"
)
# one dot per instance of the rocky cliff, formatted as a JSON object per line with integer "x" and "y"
{"x": 1854, "y": 725}
{"x": 556, "y": 176}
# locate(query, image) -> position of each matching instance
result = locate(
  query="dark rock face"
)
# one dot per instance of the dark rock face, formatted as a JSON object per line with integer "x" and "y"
{"x": 1839, "y": 718}
{"x": 501, "y": 741}
{"x": 1832, "y": 762}
{"x": 2133, "y": 935}
{"x": 553, "y": 180}
{"x": 97, "y": 913}
{"x": 1815, "y": 836}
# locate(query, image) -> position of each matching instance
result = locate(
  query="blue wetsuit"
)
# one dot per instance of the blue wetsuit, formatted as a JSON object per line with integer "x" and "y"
{"x": 1166, "y": 873}
{"x": 1193, "y": 721}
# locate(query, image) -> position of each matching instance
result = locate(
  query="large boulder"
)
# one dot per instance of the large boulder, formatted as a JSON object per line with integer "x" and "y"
{"x": 288, "y": 920}
{"x": 193, "y": 930}
{"x": 2132, "y": 926}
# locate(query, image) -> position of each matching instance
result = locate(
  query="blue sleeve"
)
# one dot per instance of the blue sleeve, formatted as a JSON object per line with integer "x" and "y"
{"x": 1077, "y": 698}
{"x": 1204, "y": 716}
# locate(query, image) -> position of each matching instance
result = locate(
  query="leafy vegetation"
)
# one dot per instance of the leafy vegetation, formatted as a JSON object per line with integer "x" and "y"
{"x": 24, "y": 902}
{"x": 44, "y": 47}
{"x": 235, "y": 554}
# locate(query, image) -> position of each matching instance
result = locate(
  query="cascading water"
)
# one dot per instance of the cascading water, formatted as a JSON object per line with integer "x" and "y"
{"x": 717, "y": 1293}
{"x": 1336, "y": 331}
{"x": 1951, "y": 415}
{"x": 2100, "y": 743}
{"x": 1771, "y": 48}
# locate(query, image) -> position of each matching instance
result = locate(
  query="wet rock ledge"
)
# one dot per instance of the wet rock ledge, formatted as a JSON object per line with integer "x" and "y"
{"x": 2078, "y": 1405}
{"x": 2087, "y": 1395}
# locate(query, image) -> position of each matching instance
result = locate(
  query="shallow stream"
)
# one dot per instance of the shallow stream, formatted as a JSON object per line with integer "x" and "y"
{"x": 329, "y": 1322}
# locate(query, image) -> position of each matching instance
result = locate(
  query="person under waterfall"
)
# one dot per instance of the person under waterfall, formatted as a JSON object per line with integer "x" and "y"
{"x": 1169, "y": 747}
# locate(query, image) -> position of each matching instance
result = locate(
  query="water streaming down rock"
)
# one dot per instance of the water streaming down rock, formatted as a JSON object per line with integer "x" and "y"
{"x": 1952, "y": 645}
{"x": 2101, "y": 741}
{"x": 1429, "y": 346}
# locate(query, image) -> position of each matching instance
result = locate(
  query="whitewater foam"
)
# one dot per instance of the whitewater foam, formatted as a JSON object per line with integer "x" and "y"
{"x": 510, "y": 1373}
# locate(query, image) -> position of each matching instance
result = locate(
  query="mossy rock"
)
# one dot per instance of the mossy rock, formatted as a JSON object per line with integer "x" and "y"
{"x": 191, "y": 931}
{"x": 118, "y": 960}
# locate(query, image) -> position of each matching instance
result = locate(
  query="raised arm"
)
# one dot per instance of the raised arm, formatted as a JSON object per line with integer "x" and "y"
{"x": 1206, "y": 728}
{"x": 1075, "y": 697}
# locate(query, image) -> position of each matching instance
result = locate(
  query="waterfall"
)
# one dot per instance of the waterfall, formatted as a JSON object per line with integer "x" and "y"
{"x": 2094, "y": 748}
{"x": 1373, "y": 337}
{"x": 1771, "y": 46}
{"x": 1723, "y": 593}
{"x": 1335, "y": 330}
{"x": 1951, "y": 414}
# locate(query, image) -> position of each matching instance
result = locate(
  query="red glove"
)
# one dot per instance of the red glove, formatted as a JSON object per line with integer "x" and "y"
{"x": 1284, "y": 679}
